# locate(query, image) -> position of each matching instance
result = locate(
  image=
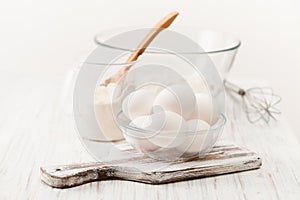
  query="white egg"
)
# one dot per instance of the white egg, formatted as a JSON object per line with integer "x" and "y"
{"x": 197, "y": 125}
{"x": 165, "y": 127}
{"x": 143, "y": 122}
{"x": 203, "y": 109}
{"x": 176, "y": 98}
{"x": 195, "y": 140}
{"x": 138, "y": 103}
{"x": 142, "y": 144}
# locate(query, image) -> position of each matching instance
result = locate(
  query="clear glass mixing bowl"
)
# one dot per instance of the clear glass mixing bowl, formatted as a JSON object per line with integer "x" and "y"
{"x": 221, "y": 48}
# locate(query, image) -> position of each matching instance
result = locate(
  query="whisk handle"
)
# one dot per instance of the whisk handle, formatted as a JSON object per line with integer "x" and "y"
{"x": 234, "y": 88}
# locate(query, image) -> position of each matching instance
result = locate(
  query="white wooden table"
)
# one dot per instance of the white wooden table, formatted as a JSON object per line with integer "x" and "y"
{"x": 36, "y": 128}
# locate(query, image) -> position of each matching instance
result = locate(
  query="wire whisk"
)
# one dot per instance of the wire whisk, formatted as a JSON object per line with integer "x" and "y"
{"x": 259, "y": 103}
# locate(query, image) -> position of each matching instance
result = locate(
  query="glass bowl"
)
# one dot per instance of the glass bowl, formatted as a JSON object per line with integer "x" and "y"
{"x": 165, "y": 63}
{"x": 186, "y": 144}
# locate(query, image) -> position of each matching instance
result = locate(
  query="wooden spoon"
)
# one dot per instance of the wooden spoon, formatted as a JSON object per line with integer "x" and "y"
{"x": 162, "y": 24}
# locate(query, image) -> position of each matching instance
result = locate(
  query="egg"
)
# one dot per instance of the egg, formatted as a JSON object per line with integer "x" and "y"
{"x": 203, "y": 109}
{"x": 176, "y": 98}
{"x": 138, "y": 103}
{"x": 146, "y": 122}
{"x": 197, "y": 125}
{"x": 195, "y": 139}
{"x": 142, "y": 143}
{"x": 165, "y": 127}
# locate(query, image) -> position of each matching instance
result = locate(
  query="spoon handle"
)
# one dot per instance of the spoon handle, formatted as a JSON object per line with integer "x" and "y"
{"x": 162, "y": 24}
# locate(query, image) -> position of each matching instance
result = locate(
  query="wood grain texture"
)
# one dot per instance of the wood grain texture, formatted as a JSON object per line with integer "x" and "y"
{"x": 37, "y": 129}
{"x": 222, "y": 159}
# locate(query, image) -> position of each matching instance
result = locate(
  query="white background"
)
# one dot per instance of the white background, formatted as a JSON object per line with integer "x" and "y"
{"x": 51, "y": 37}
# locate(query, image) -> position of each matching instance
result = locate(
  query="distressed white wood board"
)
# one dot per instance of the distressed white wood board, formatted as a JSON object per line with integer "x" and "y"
{"x": 36, "y": 129}
{"x": 223, "y": 159}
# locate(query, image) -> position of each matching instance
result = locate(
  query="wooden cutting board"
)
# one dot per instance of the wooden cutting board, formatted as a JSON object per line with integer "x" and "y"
{"x": 223, "y": 159}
